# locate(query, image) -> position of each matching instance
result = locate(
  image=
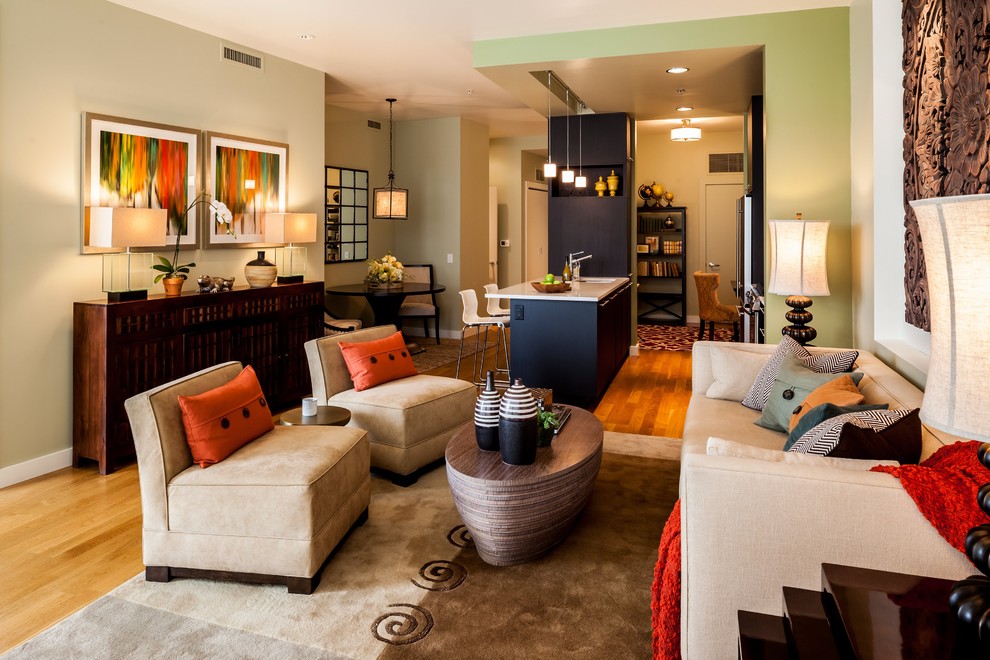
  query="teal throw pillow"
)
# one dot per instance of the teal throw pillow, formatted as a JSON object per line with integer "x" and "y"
{"x": 819, "y": 414}
{"x": 793, "y": 384}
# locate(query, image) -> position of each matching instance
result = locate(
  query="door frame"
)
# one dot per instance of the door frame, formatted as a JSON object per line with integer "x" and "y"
{"x": 524, "y": 254}
{"x": 724, "y": 179}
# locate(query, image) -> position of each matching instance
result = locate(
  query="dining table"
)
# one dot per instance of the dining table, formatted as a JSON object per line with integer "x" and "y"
{"x": 385, "y": 302}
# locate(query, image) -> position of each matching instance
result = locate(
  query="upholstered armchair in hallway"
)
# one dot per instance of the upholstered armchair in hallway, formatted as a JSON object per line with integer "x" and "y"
{"x": 408, "y": 420}
{"x": 270, "y": 512}
{"x": 710, "y": 309}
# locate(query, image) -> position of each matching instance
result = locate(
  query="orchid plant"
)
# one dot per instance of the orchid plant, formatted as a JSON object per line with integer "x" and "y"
{"x": 218, "y": 210}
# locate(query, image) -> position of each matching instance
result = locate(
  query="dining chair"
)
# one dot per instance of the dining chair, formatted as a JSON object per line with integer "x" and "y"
{"x": 422, "y": 306}
{"x": 334, "y": 325}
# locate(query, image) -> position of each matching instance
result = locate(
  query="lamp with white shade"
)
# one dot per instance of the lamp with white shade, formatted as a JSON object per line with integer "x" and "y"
{"x": 685, "y": 132}
{"x": 799, "y": 250}
{"x": 290, "y": 229}
{"x": 127, "y": 275}
{"x": 955, "y": 235}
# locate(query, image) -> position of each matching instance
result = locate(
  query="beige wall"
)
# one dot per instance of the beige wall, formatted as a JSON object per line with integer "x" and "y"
{"x": 511, "y": 164}
{"x": 58, "y": 59}
{"x": 681, "y": 167}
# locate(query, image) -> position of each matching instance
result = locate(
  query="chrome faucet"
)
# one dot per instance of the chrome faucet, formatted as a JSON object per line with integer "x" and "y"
{"x": 575, "y": 264}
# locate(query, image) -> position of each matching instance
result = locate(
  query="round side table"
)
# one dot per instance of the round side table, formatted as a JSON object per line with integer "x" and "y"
{"x": 325, "y": 416}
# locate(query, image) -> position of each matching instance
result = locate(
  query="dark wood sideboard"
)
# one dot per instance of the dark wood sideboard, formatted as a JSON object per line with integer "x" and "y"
{"x": 122, "y": 349}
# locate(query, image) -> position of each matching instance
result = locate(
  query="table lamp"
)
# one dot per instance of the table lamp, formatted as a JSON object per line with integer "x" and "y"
{"x": 955, "y": 235}
{"x": 127, "y": 275}
{"x": 290, "y": 228}
{"x": 798, "y": 250}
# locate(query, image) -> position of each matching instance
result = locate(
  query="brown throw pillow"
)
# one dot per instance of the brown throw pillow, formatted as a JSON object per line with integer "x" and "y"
{"x": 841, "y": 392}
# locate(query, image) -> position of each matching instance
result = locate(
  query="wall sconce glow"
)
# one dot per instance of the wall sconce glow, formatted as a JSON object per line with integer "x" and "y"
{"x": 677, "y": 69}
{"x": 685, "y": 132}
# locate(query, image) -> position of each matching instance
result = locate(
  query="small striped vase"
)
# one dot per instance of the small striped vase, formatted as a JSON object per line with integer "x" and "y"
{"x": 517, "y": 425}
{"x": 486, "y": 415}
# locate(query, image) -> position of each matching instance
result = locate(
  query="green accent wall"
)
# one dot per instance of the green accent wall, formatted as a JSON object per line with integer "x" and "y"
{"x": 807, "y": 95}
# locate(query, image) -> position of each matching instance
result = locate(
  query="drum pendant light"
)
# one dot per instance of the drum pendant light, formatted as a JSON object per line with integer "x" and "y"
{"x": 391, "y": 203}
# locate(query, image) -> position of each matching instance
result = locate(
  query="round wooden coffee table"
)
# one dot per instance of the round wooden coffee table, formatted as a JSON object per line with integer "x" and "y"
{"x": 325, "y": 416}
{"x": 518, "y": 512}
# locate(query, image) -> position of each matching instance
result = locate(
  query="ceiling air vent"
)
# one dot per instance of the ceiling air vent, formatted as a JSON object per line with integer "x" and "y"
{"x": 374, "y": 125}
{"x": 722, "y": 163}
{"x": 230, "y": 54}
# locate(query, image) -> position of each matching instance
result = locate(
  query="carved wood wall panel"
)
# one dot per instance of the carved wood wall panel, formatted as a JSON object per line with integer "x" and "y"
{"x": 946, "y": 119}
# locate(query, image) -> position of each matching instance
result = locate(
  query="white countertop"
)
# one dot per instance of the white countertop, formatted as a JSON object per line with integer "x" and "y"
{"x": 591, "y": 289}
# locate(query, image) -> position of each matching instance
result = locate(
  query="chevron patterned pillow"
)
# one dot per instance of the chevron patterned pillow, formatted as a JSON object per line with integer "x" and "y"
{"x": 835, "y": 362}
{"x": 866, "y": 434}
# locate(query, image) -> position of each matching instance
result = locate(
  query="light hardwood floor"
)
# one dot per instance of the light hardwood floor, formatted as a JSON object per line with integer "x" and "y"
{"x": 71, "y": 536}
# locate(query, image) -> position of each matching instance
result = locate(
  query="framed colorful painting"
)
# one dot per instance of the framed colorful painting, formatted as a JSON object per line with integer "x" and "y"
{"x": 143, "y": 165}
{"x": 249, "y": 176}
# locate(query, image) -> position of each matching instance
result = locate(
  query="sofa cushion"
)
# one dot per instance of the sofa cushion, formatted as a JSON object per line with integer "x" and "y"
{"x": 824, "y": 362}
{"x": 841, "y": 392}
{"x": 876, "y": 434}
{"x": 794, "y": 382}
{"x": 372, "y": 363}
{"x": 734, "y": 371}
{"x": 286, "y": 484}
{"x": 220, "y": 421}
{"x": 820, "y": 413}
{"x": 404, "y": 412}
{"x": 722, "y": 447}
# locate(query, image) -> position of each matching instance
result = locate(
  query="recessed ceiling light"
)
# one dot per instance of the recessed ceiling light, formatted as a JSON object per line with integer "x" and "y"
{"x": 307, "y": 37}
{"x": 685, "y": 108}
{"x": 677, "y": 69}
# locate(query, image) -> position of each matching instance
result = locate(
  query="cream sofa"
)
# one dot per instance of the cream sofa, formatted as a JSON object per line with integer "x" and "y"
{"x": 271, "y": 512}
{"x": 751, "y": 526}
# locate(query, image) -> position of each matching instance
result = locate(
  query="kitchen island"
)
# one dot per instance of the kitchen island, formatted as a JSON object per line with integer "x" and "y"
{"x": 573, "y": 342}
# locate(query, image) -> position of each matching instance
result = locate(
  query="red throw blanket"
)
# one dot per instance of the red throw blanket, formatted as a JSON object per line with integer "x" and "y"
{"x": 944, "y": 487}
{"x": 667, "y": 590}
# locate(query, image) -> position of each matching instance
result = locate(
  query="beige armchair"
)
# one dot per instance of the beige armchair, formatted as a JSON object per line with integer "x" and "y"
{"x": 271, "y": 512}
{"x": 408, "y": 421}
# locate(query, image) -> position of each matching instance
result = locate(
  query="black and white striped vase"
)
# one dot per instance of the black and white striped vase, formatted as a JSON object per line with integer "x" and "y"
{"x": 517, "y": 425}
{"x": 486, "y": 415}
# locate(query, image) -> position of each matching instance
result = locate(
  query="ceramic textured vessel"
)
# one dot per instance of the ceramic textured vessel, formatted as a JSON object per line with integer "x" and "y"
{"x": 517, "y": 425}
{"x": 600, "y": 187}
{"x": 173, "y": 286}
{"x": 260, "y": 272}
{"x": 486, "y": 415}
{"x": 613, "y": 183}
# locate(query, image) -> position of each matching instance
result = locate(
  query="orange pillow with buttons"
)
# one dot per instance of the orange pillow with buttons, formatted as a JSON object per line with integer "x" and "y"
{"x": 222, "y": 420}
{"x": 375, "y": 362}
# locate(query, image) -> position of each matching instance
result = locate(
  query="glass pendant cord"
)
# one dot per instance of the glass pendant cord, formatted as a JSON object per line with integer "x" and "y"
{"x": 581, "y": 182}
{"x": 391, "y": 172}
{"x": 567, "y": 118}
{"x": 549, "y": 143}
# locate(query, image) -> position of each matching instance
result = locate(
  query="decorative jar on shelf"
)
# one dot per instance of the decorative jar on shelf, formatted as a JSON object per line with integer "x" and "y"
{"x": 613, "y": 183}
{"x": 260, "y": 272}
{"x": 600, "y": 186}
{"x": 517, "y": 425}
{"x": 486, "y": 415}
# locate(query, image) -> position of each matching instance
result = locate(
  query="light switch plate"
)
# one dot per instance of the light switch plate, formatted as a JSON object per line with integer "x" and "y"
{"x": 503, "y": 243}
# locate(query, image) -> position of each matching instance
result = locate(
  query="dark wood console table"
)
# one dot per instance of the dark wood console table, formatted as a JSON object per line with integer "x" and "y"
{"x": 122, "y": 349}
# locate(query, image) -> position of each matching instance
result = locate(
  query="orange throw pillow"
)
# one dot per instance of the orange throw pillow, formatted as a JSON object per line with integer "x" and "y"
{"x": 841, "y": 392}
{"x": 375, "y": 362}
{"x": 222, "y": 420}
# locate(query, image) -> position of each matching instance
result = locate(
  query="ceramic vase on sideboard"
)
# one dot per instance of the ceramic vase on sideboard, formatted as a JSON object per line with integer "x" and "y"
{"x": 486, "y": 415}
{"x": 260, "y": 272}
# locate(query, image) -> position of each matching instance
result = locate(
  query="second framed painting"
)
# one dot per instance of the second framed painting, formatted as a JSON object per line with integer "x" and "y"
{"x": 249, "y": 176}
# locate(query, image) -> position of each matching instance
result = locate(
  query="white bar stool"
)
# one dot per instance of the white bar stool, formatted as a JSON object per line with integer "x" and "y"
{"x": 471, "y": 319}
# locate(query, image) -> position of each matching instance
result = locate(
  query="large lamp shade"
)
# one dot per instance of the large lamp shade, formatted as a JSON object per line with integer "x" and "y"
{"x": 955, "y": 235}
{"x": 798, "y": 270}
{"x": 126, "y": 275}
{"x": 290, "y": 228}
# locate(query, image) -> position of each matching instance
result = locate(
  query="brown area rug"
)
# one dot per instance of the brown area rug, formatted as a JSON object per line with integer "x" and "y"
{"x": 409, "y": 584}
{"x": 437, "y": 355}
{"x": 676, "y": 337}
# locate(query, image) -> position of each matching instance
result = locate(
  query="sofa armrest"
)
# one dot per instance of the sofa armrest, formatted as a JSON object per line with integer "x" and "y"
{"x": 750, "y": 527}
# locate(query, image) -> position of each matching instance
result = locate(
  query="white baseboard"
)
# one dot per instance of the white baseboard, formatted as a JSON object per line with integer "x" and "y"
{"x": 15, "y": 474}
{"x": 634, "y": 350}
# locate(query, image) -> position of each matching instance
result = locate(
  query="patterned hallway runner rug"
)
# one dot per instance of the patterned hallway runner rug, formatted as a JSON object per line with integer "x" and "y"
{"x": 675, "y": 337}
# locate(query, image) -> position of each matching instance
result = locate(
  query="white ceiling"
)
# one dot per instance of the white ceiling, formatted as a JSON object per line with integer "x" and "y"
{"x": 420, "y": 53}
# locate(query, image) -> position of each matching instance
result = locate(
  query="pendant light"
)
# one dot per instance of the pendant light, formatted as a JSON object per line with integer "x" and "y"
{"x": 549, "y": 167}
{"x": 685, "y": 132}
{"x": 567, "y": 176}
{"x": 391, "y": 202}
{"x": 581, "y": 181}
